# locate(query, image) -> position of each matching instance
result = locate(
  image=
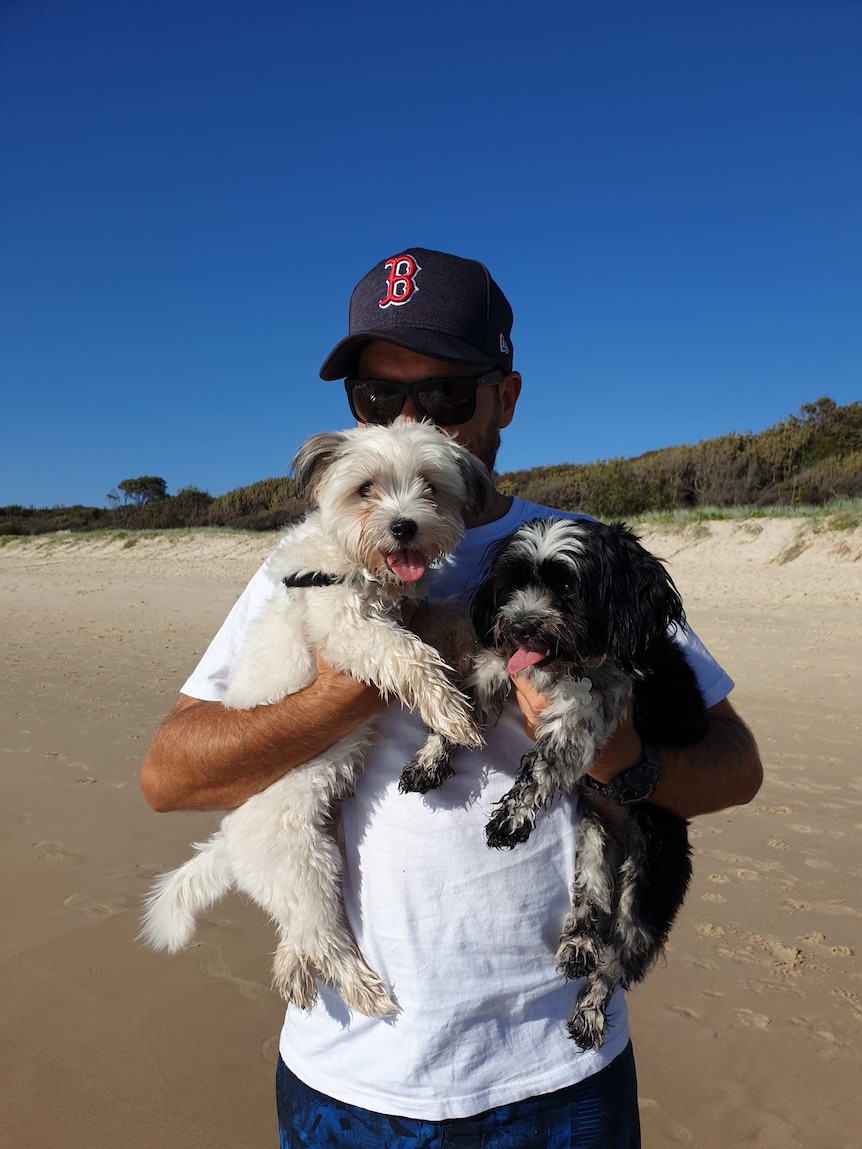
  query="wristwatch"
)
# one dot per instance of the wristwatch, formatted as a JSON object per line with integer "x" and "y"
{"x": 635, "y": 784}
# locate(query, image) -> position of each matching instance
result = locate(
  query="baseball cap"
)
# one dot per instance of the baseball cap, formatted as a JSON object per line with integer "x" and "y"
{"x": 432, "y": 303}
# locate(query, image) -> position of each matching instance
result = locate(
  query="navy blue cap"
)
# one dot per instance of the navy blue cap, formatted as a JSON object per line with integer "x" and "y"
{"x": 432, "y": 303}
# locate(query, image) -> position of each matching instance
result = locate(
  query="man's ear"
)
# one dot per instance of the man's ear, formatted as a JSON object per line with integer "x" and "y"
{"x": 509, "y": 389}
{"x": 311, "y": 461}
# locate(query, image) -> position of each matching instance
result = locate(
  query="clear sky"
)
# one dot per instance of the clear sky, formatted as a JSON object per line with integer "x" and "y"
{"x": 668, "y": 192}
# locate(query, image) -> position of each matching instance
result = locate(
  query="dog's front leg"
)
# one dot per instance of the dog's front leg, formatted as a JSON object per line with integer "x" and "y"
{"x": 535, "y": 784}
{"x": 399, "y": 663}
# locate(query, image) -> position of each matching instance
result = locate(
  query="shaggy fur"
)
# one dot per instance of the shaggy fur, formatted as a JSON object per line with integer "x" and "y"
{"x": 584, "y": 611}
{"x": 387, "y": 501}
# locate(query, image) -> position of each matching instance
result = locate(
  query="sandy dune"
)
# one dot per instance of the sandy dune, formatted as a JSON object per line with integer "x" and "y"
{"x": 749, "y": 1034}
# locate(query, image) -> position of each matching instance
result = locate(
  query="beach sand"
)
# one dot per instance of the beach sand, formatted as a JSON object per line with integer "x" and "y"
{"x": 748, "y": 1033}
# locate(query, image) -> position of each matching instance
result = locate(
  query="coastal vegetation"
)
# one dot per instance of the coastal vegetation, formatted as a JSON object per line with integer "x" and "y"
{"x": 810, "y": 459}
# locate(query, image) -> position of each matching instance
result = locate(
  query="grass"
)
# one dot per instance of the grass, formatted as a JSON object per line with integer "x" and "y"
{"x": 840, "y": 515}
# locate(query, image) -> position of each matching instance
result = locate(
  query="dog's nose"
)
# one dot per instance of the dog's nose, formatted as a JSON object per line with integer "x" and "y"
{"x": 404, "y": 530}
{"x": 522, "y": 631}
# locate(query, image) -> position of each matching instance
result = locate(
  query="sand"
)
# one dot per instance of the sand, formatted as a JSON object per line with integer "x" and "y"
{"x": 750, "y": 1032}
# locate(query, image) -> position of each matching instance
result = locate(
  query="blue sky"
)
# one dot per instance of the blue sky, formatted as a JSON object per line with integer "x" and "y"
{"x": 669, "y": 194}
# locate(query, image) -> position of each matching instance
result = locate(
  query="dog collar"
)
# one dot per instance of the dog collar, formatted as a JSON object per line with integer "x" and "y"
{"x": 311, "y": 578}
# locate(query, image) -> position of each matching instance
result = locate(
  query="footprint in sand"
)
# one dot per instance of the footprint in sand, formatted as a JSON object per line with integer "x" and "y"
{"x": 708, "y": 930}
{"x": 95, "y": 911}
{"x": 800, "y": 829}
{"x": 57, "y": 852}
{"x": 814, "y": 937}
{"x": 777, "y": 844}
{"x": 713, "y": 898}
{"x": 752, "y": 1020}
{"x": 212, "y": 964}
{"x": 841, "y": 951}
{"x": 269, "y": 1049}
{"x": 719, "y": 879}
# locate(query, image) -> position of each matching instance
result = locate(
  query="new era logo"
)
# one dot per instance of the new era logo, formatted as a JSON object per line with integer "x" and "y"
{"x": 504, "y": 346}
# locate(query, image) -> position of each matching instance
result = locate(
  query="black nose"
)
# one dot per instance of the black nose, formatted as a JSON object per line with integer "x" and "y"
{"x": 404, "y": 530}
{"x": 523, "y": 631}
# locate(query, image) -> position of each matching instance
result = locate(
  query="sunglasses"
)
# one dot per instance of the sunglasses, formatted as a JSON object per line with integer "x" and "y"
{"x": 447, "y": 401}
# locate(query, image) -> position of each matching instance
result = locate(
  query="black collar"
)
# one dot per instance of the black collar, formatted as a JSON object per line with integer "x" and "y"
{"x": 311, "y": 578}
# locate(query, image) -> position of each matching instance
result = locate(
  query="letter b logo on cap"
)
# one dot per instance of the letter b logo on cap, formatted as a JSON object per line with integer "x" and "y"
{"x": 401, "y": 281}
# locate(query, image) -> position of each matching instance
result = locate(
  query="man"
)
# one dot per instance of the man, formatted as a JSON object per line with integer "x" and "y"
{"x": 464, "y": 935}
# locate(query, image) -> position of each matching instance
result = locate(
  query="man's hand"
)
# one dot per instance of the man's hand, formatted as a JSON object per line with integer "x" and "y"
{"x": 622, "y": 749}
{"x": 721, "y": 770}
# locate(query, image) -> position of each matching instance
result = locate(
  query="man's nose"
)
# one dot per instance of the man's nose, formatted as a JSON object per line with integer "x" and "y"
{"x": 409, "y": 410}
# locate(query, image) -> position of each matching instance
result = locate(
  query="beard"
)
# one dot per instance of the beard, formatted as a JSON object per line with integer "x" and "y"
{"x": 485, "y": 448}
{"x": 486, "y": 443}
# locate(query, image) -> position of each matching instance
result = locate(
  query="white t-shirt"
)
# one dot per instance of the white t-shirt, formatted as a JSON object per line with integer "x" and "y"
{"x": 464, "y": 935}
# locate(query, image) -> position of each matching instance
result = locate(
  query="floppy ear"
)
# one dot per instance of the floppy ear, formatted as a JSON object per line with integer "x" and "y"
{"x": 641, "y": 601}
{"x": 483, "y": 609}
{"x": 311, "y": 461}
{"x": 478, "y": 482}
{"x": 485, "y": 600}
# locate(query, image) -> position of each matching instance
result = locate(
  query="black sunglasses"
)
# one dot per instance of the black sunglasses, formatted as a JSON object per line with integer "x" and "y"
{"x": 447, "y": 401}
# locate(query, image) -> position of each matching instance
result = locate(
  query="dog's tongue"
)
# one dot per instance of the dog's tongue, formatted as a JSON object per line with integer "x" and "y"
{"x": 524, "y": 657}
{"x": 409, "y": 566}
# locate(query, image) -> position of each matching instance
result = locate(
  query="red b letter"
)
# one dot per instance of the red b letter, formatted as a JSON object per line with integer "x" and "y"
{"x": 401, "y": 281}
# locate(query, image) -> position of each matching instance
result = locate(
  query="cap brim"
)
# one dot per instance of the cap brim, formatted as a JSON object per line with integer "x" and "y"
{"x": 343, "y": 360}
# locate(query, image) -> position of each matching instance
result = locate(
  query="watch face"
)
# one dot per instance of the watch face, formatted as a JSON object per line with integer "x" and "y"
{"x": 637, "y": 783}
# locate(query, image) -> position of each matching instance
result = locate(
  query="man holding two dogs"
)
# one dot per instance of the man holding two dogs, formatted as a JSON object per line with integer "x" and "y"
{"x": 478, "y": 1053}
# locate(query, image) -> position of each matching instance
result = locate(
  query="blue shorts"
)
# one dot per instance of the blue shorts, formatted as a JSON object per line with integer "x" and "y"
{"x": 599, "y": 1113}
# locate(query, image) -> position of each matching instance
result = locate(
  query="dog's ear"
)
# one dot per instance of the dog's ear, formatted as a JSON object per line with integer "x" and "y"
{"x": 311, "y": 461}
{"x": 483, "y": 609}
{"x": 485, "y": 601}
{"x": 477, "y": 481}
{"x": 640, "y": 598}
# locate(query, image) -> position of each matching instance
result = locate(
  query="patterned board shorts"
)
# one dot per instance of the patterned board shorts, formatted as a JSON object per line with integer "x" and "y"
{"x": 599, "y": 1113}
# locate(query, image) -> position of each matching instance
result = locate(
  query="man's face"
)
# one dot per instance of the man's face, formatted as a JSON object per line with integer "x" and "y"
{"x": 495, "y": 406}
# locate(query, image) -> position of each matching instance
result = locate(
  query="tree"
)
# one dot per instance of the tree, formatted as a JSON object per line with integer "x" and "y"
{"x": 143, "y": 490}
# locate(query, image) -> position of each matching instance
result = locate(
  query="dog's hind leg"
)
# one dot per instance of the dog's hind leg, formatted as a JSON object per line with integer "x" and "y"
{"x": 654, "y": 877}
{"x": 316, "y": 942}
{"x": 581, "y": 944}
{"x": 589, "y": 1018}
{"x": 302, "y": 887}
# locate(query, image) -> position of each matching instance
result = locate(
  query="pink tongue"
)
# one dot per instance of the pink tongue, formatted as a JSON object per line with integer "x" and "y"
{"x": 522, "y": 658}
{"x": 408, "y": 565}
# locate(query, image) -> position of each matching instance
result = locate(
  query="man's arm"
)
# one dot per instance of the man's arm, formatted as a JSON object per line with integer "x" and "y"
{"x": 721, "y": 770}
{"x": 206, "y": 757}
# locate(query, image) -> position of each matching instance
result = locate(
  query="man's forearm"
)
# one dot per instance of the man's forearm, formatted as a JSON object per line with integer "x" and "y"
{"x": 721, "y": 770}
{"x": 206, "y": 757}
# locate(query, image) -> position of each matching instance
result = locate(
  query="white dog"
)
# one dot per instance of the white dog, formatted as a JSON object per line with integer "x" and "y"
{"x": 387, "y": 502}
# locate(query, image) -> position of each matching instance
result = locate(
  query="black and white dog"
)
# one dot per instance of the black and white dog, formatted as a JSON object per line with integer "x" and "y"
{"x": 584, "y": 611}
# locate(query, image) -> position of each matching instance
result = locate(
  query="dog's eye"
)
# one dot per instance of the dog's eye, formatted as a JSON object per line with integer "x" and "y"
{"x": 365, "y": 490}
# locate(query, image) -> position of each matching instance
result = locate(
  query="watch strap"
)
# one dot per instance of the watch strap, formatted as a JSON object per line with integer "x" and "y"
{"x": 637, "y": 783}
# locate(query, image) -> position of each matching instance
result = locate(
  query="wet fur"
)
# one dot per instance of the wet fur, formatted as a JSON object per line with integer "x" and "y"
{"x": 369, "y": 489}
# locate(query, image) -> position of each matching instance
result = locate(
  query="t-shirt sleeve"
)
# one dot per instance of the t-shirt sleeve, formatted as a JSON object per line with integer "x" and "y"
{"x": 714, "y": 682}
{"x": 209, "y": 680}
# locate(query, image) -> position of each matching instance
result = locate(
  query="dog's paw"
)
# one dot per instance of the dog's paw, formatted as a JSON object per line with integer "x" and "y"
{"x": 502, "y": 832}
{"x": 586, "y": 1027}
{"x": 365, "y": 993}
{"x": 416, "y": 779}
{"x": 293, "y": 977}
{"x": 577, "y": 957}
